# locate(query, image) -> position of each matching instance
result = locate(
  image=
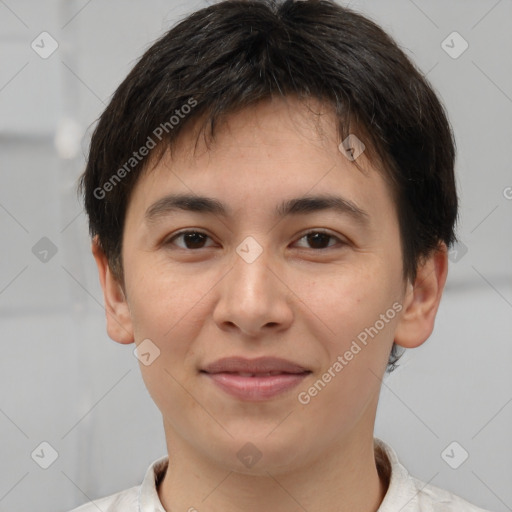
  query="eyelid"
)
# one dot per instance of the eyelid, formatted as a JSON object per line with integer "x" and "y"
{"x": 169, "y": 240}
{"x": 341, "y": 241}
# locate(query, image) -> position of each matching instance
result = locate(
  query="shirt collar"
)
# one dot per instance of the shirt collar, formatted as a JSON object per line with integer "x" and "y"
{"x": 402, "y": 493}
{"x": 148, "y": 494}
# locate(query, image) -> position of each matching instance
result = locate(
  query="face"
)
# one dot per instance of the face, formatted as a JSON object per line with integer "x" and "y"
{"x": 319, "y": 285}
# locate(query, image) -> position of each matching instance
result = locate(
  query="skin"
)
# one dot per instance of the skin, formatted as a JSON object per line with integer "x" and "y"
{"x": 295, "y": 301}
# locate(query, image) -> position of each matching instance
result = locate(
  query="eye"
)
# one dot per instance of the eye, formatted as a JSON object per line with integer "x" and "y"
{"x": 191, "y": 239}
{"x": 320, "y": 240}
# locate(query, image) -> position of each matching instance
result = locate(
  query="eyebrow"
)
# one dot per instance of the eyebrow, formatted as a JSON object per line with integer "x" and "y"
{"x": 297, "y": 206}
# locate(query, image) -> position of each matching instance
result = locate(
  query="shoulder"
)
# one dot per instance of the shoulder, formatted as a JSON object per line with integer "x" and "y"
{"x": 125, "y": 501}
{"x": 410, "y": 494}
{"x": 435, "y": 499}
{"x": 141, "y": 497}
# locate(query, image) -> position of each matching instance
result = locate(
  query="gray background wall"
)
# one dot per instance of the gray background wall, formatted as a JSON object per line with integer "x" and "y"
{"x": 63, "y": 382}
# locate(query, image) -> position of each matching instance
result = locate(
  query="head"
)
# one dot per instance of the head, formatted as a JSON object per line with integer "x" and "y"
{"x": 254, "y": 103}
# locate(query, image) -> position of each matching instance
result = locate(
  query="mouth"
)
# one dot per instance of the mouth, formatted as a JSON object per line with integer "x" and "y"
{"x": 255, "y": 374}
{"x": 254, "y": 367}
{"x": 257, "y": 379}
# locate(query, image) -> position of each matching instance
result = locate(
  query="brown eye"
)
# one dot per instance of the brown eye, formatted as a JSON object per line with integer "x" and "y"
{"x": 191, "y": 239}
{"x": 320, "y": 240}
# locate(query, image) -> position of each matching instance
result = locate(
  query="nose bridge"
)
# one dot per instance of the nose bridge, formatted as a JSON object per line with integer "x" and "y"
{"x": 251, "y": 276}
{"x": 251, "y": 296}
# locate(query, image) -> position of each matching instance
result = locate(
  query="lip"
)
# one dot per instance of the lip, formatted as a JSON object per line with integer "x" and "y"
{"x": 256, "y": 366}
{"x": 232, "y": 375}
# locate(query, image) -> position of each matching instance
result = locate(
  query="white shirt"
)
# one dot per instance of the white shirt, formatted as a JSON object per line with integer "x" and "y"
{"x": 405, "y": 493}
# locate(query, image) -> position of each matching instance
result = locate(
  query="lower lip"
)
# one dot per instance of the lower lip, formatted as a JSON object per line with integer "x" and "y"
{"x": 256, "y": 388}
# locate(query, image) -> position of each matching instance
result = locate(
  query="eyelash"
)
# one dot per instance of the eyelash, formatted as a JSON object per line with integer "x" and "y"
{"x": 186, "y": 232}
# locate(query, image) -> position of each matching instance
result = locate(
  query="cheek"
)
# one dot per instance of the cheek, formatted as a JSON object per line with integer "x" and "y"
{"x": 167, "y": 309}
{"x": 356, "y": 342}
{"x": 346, "y": 301}
{"x": 352, "y": 317}
{"x": 162, "y": 303}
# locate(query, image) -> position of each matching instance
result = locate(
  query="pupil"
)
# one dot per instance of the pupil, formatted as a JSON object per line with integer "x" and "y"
{"x": 194, "y": 239}
{"x": 316, "y": 239}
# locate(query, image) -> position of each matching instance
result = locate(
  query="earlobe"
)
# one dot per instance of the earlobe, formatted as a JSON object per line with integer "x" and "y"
{"x": 119, "y": 323}
{"x": 422, "y": 300}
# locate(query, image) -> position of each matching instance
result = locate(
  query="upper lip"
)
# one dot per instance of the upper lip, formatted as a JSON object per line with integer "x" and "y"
{"x": 258, "y": 365}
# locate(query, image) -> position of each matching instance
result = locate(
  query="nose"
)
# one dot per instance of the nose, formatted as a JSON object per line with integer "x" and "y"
{"x": 254, "y": 299}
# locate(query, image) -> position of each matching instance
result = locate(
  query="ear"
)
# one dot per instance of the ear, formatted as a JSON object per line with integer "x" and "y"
{"x": 422, "y": 299}
{"x": 119, "y": 323}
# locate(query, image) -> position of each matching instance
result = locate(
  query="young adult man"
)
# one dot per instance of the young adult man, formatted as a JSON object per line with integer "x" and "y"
{"x": 271, "y": 198}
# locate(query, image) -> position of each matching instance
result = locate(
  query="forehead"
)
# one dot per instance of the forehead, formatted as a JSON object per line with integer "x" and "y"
{"x": 270, "y": 152}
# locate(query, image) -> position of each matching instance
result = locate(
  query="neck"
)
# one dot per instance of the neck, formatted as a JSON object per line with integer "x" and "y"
{"x": 342, "y": 480}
